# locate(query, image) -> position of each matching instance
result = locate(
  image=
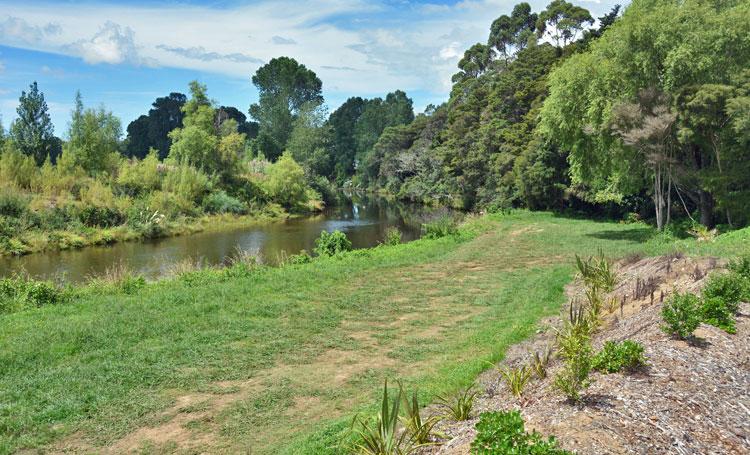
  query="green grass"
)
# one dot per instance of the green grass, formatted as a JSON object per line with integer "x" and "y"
{"x": 280, "y": 360}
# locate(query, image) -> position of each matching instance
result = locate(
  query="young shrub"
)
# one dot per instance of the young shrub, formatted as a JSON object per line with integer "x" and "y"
{"x": 741, "y": 266}
{"x": 516, "y": 379}
{"x": 12, "y": 204}
{"x": 381, "y": 437}
{"x": 458, "y": 406}
{"x": 575, "y": 349}
{"x": 681, "y": 314}
{"x": 187, "y": 182}
{"x": 615, "y": 357}
{"x": 501, "y": 433}
{"x": 392, "y": 236}
{"x": 332, "y": 243}
{"x": 421, "y": 430}
{"x": 730, "y": 287}
{"x": 286, "y": 183}
{"x": 303, "y": 257}
{"x": 18, "y": 293}
{"x": 715, "y": 311}
{"x": 441, "y": 227}
{"x": 221, "y": 202}
{"x": 597, "y": 272}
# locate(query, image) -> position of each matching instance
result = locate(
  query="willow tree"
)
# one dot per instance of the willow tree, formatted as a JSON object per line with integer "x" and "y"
{"x": 671, "y": 47}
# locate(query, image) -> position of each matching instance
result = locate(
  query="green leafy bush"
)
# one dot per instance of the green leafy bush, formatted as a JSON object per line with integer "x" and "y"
{"x": 681, "y": 314}
{"x": 501, "y": 433}
{"x": 615, "y": 357}
{"x": 18, "y": 293}
{"x": 716, "y": 312}
{"x": 575, "y": 349}
{"x": 303, "y": 257}
{"x": 332, "y": 243}
{"x": 12, "y": 204}
{"x": 95, "y": 216}
{"x": 221, "y": 202}
{"x": 441, "y": 227}
{"x": 730, "y": 287}
{"x": 741, "y": 266}
{"x": 392, "y": 236}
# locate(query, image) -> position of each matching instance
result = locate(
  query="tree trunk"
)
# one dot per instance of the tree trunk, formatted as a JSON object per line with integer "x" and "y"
{"x": 706, "y": 207}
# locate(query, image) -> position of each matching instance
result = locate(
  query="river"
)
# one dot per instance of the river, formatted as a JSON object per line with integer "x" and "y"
{"x": 363, "y": 219}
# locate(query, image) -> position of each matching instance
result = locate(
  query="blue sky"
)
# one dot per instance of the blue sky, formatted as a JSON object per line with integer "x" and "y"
{"x": 124, "y": 54}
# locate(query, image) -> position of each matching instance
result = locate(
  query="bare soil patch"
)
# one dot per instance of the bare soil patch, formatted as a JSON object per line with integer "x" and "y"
{"x": 692, "y": 397}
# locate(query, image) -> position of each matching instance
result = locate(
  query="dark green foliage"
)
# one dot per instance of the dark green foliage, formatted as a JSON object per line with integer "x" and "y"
{"x": 614, "y": 357}
{"x": 18, "y": 293}
{"x": 32, "y": 132}
{"x": 332, "y": 243}
{"x": 285, "y": 87}
{"x": 716, "y": 312}
{"x": 729, "y": 287}
{"x": 94, "y": 216}
{"x": 503, "y": 433}
{"x": 681, "y": 314}
{"x": 152, "y": 130}
{"x": 221, "y": 202}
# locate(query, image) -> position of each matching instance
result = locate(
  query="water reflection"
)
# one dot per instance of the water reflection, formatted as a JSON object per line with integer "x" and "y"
{"x": 363, "y": 219}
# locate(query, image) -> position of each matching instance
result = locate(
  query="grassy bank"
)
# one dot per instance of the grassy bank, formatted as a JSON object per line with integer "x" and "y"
{"x": 277, "y": 360}
{"x": 36, "y": 240}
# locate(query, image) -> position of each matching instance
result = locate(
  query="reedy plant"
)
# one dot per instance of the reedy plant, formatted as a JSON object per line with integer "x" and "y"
{"x": 539, "y": 362}
{"x": 382, "y": 437}
{"x": 517, "y": 378}
{"x": 421, "y": 430}
{"x": 597, "y": 272}
{"x": 459, "y": 405}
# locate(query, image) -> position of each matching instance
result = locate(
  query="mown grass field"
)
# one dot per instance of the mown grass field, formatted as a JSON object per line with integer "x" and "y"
{"x": 279, "y": 361}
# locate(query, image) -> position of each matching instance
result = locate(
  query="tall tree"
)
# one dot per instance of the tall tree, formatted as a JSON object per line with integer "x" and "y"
{"x": 284, "y": 86}
{"x": 343, "y": 145}
{"x": 508, "y": 34}
{"x": 562, "y": 21}
{"x": 32, "y": 131}
{"x": 94, "y": 139}
{"x": 203, "y": 142}
{"x": 152, "y": 130}
{"x": 685, "y": 50}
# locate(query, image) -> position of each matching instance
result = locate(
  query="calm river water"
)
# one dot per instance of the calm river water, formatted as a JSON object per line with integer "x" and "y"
{"x": 363, "y": 219}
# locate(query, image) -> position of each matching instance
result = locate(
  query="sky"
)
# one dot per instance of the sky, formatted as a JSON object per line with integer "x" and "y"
{"x": 124, "y": 54}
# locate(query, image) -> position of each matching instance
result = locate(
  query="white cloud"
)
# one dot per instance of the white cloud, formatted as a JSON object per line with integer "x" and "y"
{"x": 112, "y": 44}
{"x": 16, "y": 30}
{"x": 415, "y": 47}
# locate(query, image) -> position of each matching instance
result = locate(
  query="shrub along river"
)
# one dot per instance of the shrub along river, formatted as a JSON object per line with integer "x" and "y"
{"x": 363, "y": 219}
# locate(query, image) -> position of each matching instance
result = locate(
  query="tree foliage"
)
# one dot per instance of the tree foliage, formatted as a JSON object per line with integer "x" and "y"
{"x": 284, "y": 87}
{"x": 32, "y": 131}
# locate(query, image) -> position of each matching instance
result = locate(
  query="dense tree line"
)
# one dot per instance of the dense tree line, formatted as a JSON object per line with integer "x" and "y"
{"x": 644, "y": 113}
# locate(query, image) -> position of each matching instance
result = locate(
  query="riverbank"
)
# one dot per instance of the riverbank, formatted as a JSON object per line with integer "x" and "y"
{"x": 35, "y": 240}
{"x": 239, "y": 359}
